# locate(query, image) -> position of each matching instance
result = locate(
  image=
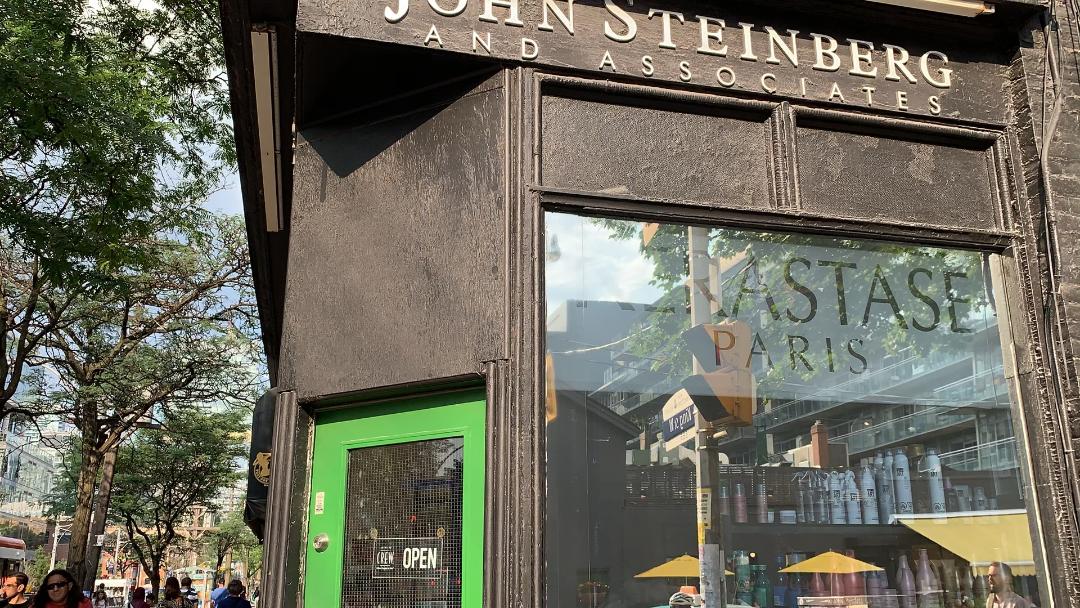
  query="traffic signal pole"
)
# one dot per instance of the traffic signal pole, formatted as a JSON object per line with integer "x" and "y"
{"x": 709, "y": 520}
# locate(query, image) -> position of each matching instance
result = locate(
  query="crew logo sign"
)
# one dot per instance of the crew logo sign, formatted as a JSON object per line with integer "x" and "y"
{"x": 408, "y": 558}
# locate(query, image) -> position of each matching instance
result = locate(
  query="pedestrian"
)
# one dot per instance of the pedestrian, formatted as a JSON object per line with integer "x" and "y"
{"x": 188, "y": 591}
{"x": 14, "y": 590}
{"x": 234, "y": 599}
{"x": 171, "y": 596}
{"x": 138, "y": 598}
{"x": 218, "y": 594}
{"x": 59, "y": 590}
{"x": 999, "y": 576}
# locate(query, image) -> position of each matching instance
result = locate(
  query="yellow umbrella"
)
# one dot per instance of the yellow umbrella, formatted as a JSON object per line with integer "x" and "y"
{"x": 686, "y": 566}
{"x": 831, "y": 562}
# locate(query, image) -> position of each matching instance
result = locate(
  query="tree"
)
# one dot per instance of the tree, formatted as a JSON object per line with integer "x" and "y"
{"x": 232, "y": 536}
{"x": 39, "y": 567}
{"x": 115, "y": 129}
{"x": 162, "y": 473}
{"x": 180, "y": 334}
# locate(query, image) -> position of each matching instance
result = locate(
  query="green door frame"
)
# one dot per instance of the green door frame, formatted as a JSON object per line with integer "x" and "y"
{"x": 459, "y": 414}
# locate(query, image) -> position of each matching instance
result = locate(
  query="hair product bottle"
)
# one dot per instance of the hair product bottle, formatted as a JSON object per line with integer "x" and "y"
{"x": 936, "y": 482}
{"x": 886, "y": 490}
{"x": 801, "y": 505}
{"x": 822, "y": 499}
{"x": 836, "y": 498}
{"x": 724, "y": 499}
{"x": 981, "y": 504}
{"x": 902, "y": 479}
{"x": 927, "y": 586}
{"x": 868, "y": 490}
{"x": 740, "y": 504}
{"x": 761, "y": 503}
{"x": 905, "y": 583}
{"x": 854, "y": 583}
{"x": 852, "y": 498}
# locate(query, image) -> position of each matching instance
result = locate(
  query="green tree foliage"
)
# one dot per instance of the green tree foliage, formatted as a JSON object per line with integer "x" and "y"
{"x": 162, "y": 473}
{"x": 180, "y": 334}
{"x": 114, "y": 129}
{"x": 231, "y": 537}
{"x": 38, "y": 567}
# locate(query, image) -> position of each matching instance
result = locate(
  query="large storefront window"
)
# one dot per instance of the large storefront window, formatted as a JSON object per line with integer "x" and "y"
{"x": 865, "y": 449}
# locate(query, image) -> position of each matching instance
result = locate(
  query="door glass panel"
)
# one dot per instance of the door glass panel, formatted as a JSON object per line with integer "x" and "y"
{"x": 403, "y": 525}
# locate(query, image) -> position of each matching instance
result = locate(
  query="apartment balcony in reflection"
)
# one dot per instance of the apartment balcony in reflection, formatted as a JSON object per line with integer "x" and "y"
{"x": 950, "y": 409}
{"x": 909, "y": 380}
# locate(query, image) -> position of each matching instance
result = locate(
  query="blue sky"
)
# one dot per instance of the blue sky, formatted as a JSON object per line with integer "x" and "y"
{"x": 227, "y": 200}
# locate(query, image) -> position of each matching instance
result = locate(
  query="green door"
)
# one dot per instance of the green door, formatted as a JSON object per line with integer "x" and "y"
{"x": 396, "y": 518}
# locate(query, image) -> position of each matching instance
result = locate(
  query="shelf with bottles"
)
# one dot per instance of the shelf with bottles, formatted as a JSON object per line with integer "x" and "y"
{"x": 912, "y": 577}
{"x": 877, "y": 491}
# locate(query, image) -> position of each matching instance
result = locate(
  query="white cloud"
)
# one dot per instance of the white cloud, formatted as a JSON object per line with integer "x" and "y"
{"x": 595, "y": 266}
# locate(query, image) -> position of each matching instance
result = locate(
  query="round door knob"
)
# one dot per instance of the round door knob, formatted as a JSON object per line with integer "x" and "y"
{"x": 320, "y": 542}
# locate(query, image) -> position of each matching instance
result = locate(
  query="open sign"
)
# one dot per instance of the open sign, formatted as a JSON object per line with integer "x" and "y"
{"x": 408, "y": 558}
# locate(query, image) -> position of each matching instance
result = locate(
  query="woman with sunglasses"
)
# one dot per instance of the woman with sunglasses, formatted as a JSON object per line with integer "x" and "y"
{"x": 59, "y": 590}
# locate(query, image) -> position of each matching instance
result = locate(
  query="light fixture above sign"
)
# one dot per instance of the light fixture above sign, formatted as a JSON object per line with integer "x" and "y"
{"x": 964, "y": 8}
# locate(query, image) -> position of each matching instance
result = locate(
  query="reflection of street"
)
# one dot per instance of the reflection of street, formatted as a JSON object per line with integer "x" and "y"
{"x": 880, "y": 450}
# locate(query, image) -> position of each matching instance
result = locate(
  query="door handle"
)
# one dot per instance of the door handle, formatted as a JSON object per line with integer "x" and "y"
{"x": 320, "y": 542}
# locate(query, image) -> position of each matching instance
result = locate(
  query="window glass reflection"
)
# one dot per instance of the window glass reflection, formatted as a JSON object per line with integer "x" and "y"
{"x": 863, "y": 447}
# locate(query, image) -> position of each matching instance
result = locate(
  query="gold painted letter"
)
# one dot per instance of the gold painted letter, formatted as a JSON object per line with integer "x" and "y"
{"x": 896, "y": 58}
{"x": 859, "y": 56}
{"x": 566, "y": 19}
{"x": 454, "y": 12}
{"x": 726, "y": 77}
{"x": 529, "y": 49}
{"x": 821, "y": 51}
{"x": 776, "y": 40}
{"x": 665, "y": 41}
{"x": 707, "y": 35}
{"x": 482, "y": 42}
{"x": 944, "y": 75}
{"x": 433, "y": 34}
{"x": 684, "y": 71}
{"x": 766, "y": 85}
{"x": 935, "y": 105}
{"x": 834, "y": 93}
{"x": 399, "y": 14}
{"x": 748, "y": 42}
{"x": 608, "y": 62}
{"x": 489, "y": 12}
{"x": 624, "y": 17}
{"x": 869, "y": 90}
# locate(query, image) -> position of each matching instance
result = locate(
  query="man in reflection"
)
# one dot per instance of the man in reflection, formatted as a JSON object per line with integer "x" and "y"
{"x": 999, "y": 577}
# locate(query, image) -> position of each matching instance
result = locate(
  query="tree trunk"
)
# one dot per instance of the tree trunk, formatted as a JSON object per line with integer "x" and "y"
{"x": 101, "y": 511}
{"x": 84, "y": 506}
{"x": 155, "y": 579}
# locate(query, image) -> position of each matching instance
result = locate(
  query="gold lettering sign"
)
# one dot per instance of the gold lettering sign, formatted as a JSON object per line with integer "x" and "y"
{"x": 703, "y": 44}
